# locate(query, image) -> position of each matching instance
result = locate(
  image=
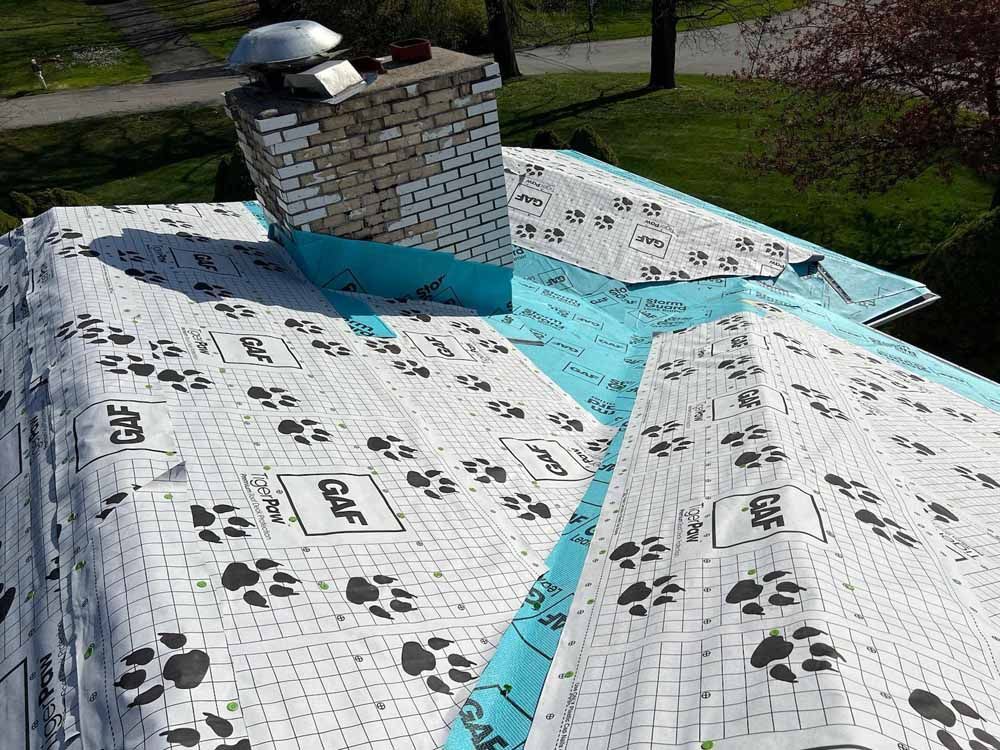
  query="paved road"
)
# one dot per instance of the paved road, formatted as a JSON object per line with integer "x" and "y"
{"x": 165, "y": 48}
{"x": 624, "y": 55}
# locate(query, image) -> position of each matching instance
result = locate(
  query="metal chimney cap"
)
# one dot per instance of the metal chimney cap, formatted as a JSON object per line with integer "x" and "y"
{"x": 289, "y": 41}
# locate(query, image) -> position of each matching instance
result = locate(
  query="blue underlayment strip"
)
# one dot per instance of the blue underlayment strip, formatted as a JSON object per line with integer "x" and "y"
{"x": 258, "y": 211}
{"x": 361, "y": 319}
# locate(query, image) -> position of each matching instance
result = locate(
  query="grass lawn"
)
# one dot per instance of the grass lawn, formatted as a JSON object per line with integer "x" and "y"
{"x": 44, "y": 28}
{"x": 614, "y": 22}
{"x": 215, "y": 25}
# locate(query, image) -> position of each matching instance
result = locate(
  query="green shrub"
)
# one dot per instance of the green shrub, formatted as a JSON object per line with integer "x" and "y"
{"x": 961, "y": 325}
{"x": 588, "y": 141}
{"x": 38, "y": 202}
{"x": 548, "y": 139}
{"x": 232, "y": 179}
{"x": 8, "y": 222}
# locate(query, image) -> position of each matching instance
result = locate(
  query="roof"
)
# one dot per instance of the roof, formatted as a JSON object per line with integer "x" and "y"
{"x": 266, "y": 494}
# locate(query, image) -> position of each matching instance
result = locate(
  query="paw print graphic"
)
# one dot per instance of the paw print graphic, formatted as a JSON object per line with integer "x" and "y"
{"x": 679, "y": 274}
{"x": 526, "y": 508}
{"x": 666, "y": 448}
{"x": 977, "y": 477}
{"x": 131, "y": 256}
{"x": 185, "y": 669}
{"x": 933, "y": 709}
{"x": 749, "y": 591}
{"x": 382, "y": 347}
{"x": 362, "y": 591}
{"x": 391, "y": 447}
{"x": 623, "y": 204}
{"x": 603, "y": 221}
{"x": 564, "y": 422}
{"x": 165, "y": 348}
{"x": 741, "y": 437}
{"x": 794, "y": 345}
{"x": 727, "y": 263}
{"x": 650, "y": 273}
{"x": 303, "y": 326}
{"x": 269, "y": 265}
{"x": 657, "y": 430}
{"x": 235, "y": 312}
{"x": 80, "y": 251}
{"x": 598, "y": 445}
{"x": 272, "y": 397}
{"x": 331, "y": 348}
{"x": 853, "y": 489}
{"x": 494, "y": 347}
{"x": 915, "y": 405}
{"x": 919, "y": 448}
{"x": 733, "y": 323}
{"x": 675, "y": 369}
{"x": 252, "y": 252}
{"x": 223, "y": 211}
{"x": 484, "y": 471}
{"x": 754, "y": 459}
{"x": 411, "y": 367}
{"x": 176, "y": 223}
{"x": 534, "y": 170}
{"x": 61, "y": 235}
{"x": 554, "y": 235}
{"x": 111, "y": 504}
{"x": 234, "y": 526}
{"x": 505, "y": 409}
{"x": 190, "y": 736}
{"x": 474, "y": 383}
{"x": 121, "y": 210}
{"x": 193, "y": 237}
{"x": 432, "y": 483}
{"x": 239, "y": 576}
{"x": 774, "y": 250}
{"x": 93, "y": 331}
{"x": 130, "y": 363}
{"x": 774, "y": 648}
{"x": 417, "y": 316}
{"x": 818, "y": 402}
{"x": 740, "y": 368}
{"x": 952, "y": 412}
{"x": 304, "y": 431}
{"x": 697, "y": 258}
{"x": 146, "y": 275}
{"x": 941, "y": 513}
{"x": 865, "y": 389}
{"x": 575, "y": 216}
{"x": 213, "y": 290}
{"x": 640, "y": 591}
{"x": 885, "y": 528}
{"x": 184, "y": 381}
{"x": 744, "y": 245}
{"x": 464, "y": 327}
{"x": 652, "y": 209}
{"x": 415, "y": 660}
{"x": 525, "y": 231}
{"x": 648, "y": 549}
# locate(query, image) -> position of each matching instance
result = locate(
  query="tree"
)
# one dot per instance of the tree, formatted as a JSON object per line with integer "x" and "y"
{"x": 880, "y": 91}
{"x": 698, "y": 16}
{"x": 501, "y": 20}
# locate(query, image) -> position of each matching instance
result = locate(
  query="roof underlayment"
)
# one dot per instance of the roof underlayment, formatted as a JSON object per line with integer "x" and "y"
{"x": 326, "y": 493}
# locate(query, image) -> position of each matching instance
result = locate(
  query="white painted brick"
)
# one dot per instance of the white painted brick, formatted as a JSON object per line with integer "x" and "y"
{"x": 275, "y": 123}
{"x": 417, "y": 207}
{"x": 429, "y": 192}
{"x": 298, "y": 219}
{"x": 295, "y": 170}
{"x": 474, "y": 170}
{"x": 479, "y": 208}
{"x": 482, "y": 228}
{"x": 497, "y": 213}
{"x": 434, "y": 213}
{"x": 458, "y": 161}
{"x": 271, "y": 138}
{"x": 409, "y": 241}
{"x": 491, "y": 70}
{"x": 294, "y": 208}
{"x": 436, "y": 156}
{"x": 483, "y": 132}
{"x": 323, "y": 200}
{"x": 493, "y": 140}
{"x": 442, "y": 177}
{"x": 502, "y": 234}
{"x": 435, "y": 133}
{"x": 302, "y": 194}
{"x": 409, "y": 187}
{"x": 491, "y": 117}
{"x": 388, "y": 134}
{"x": 464, "y": 203}
{"x": 287, "y": 160}
{"x": 406, "y": 221}
{"x": 465, "y": 224}
{"x": 301, "y": 132}
{"x": 405, "y": 199}
{"x": 451, "y": 239}
{"x": 489, "y": 84}
{"x": 478, "y": 109}
{"x": 411, "y": 90}
{"x": 459, "y": 183}
{"x": 470, "y": 148}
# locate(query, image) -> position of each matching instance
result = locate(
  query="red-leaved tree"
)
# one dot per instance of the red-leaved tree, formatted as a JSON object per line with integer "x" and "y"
{"x": 879, "y": 90}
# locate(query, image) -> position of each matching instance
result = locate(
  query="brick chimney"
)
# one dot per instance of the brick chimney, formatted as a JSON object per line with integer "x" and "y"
{"x": 413, "y": 159}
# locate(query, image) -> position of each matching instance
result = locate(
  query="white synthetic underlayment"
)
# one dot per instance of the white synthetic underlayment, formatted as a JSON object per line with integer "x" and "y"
{"x": 229, "y": 521}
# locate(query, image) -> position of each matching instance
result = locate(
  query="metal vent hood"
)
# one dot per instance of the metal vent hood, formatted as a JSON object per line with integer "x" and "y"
{"x": 290, "y": 45}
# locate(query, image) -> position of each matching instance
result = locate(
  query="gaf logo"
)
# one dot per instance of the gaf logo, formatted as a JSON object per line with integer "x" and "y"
{"x": 739, "y": 343}
{"x": 202, "y": 261}
{"x": 440, "y": 346}
{"x": 530, "y": 200}
{"x": 786, "y": 509}
{"x": 747, "y": 400}
{"x": 339, "y": 503}
{"x": 254, "y": 349}
{"x": 114, "y": 426}
{"x": 547, "y": 460}
{"x": 651, "y": 240}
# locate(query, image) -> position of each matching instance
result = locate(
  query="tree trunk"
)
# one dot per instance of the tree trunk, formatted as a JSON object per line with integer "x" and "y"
{"x": 663, "y": 47}
{"x": 501, "y": 38}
